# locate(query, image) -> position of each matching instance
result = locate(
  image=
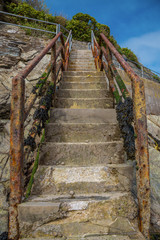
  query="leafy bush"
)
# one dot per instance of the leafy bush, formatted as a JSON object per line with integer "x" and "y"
{"x": 129, "y": 54}
{"x": 60, "y": 20}
{"x": 156, "y": 78}
{"x": 102, "y": 28}
{"x": 80, "y": 30}
{"x": 82, "y": 24}
{"x": 24, "y": 9}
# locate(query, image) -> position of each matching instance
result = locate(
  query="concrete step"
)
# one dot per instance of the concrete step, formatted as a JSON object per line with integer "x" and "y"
{"x": 84, "y": 103}
{"x": 84, "y": 73}
{"x": 81, "y": 54}
{"x": 81, "y": 132}
{"x": 89, "y": 93}
{"x": 93, "y": 237}
{"x": 78, "y": 67}
{"x": 81, "y": 58}
{"x": 83, "y": 85}
{"x": 82, "y": 180}
{"x": 81, "y": 68}
{"x": 64, "y": 115}
{"x": 82, "y": 154}
{"x": 80, "y": 79}
{"x": 81, "y": 63}
{"x": 82, "y": 217}
{"x": 81, "y": 51}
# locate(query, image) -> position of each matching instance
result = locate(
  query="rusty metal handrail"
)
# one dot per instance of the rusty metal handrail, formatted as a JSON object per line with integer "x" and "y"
{"x": 140, "y": 123}
{"x": 18, "y": 116}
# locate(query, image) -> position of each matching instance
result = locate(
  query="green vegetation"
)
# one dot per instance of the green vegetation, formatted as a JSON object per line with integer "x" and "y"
{"x": 156, "y": 78}
{"x": 36, "y": 162}
{"x": 129, "y": 54}
{"x": 38, "y": 5}
{"x": 24, "y": 9}
{"x": 81, "y": 24}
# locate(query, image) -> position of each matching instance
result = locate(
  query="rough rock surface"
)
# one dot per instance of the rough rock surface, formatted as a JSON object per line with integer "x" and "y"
{"x": 16, "y": 50}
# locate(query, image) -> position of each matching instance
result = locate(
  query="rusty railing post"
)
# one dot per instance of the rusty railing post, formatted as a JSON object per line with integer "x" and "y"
{"x": 16, "y": 154}
{"x": 53, "y": 71}
{"x": 110, "y": 74}
{"x": 142, "y": 155}
{"x": 63, "y": 53}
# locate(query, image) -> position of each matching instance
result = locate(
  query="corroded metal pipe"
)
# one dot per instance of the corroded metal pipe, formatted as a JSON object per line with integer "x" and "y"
{"x": 16, "y": 153}
{"x": 142, "y": 155}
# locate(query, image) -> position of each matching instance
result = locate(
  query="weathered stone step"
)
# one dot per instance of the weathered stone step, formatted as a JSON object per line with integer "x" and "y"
{"x": 81, "y": 61}
{"x": 81, "y": 54}
{"x": 81, "y": 68}
{"x": 88, "y": 78}
{"x": 81, "y": 132}
{"x": 85, "y": 73}
{"x": 83, "y": 85}
{"x": 82, "y": 154}
{"x": 91, "y": 237}
{"x": 94, "y": 237}
{"x": 81, "y": 64}
{"x": 89, "y": 93}
{"x": 81, "y": 51}
{"x": 81, "y": 57}
{"x": 87, "y": 216}
{"x": 95, "y": 179}
{"x": 64, "y": 115}
{"x": 84, "y": 103}
{"x": 44, "y": 238}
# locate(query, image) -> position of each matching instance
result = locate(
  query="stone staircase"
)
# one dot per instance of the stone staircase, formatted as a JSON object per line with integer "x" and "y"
{"x": 82, "y": 188}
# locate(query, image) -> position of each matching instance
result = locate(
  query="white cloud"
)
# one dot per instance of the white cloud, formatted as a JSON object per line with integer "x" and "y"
{"x": 147, "y": 48}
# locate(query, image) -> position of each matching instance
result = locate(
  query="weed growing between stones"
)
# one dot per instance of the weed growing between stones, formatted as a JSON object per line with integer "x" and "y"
{"x": 36, "y": 162}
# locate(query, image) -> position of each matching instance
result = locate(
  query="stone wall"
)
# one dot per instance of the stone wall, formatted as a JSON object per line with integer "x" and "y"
{"x": 152, "y": 90}
{"x": 16, "y": 50}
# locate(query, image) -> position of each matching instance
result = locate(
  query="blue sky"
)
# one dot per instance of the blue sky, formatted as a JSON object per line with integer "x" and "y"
{"x": 134, "y": 23}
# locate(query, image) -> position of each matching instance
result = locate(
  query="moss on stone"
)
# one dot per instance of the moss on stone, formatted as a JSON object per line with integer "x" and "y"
{"x": 29, "y": 188}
